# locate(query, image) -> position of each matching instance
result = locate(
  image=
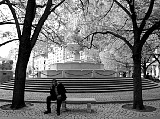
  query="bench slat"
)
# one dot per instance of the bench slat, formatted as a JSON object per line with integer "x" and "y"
{"x": 80, "y": 100}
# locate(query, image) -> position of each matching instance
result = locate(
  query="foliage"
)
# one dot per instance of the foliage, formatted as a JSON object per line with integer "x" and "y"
{"x": 94, "y": 54}
{"x": 6, "y": 65}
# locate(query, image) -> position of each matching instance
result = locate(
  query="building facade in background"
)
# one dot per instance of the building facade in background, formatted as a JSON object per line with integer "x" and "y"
{"x": 42, "y": 62}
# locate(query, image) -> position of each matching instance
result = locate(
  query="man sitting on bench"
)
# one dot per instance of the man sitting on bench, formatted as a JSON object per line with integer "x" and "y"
{"x": 57, "y": 92}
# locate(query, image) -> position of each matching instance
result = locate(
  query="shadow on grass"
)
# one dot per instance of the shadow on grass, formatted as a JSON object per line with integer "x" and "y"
{"x": 147, "y": 108}
{"x": 8, "y": 107}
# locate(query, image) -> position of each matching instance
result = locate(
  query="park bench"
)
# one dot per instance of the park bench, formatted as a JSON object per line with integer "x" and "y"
{"x": 87, "y": 101}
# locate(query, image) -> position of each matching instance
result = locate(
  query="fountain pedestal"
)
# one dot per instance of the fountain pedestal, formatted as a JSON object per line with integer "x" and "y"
{"x": 77, "y": 70}
{"x": 76, "y": 66}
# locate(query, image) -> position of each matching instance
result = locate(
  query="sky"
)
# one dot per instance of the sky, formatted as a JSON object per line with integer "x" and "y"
{"x": 4, "y": 50}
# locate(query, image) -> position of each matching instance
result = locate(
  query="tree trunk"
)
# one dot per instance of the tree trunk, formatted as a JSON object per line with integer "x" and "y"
{"x": 23, "y": 57}
{"x": 137, "y": 94}
{"x": 144, "y": 69}
{"x": 144, "y": 72}
{"x": 20, "y": 77}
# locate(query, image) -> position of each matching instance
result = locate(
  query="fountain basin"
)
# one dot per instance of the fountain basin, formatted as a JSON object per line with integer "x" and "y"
{"x": 76, "y": 66}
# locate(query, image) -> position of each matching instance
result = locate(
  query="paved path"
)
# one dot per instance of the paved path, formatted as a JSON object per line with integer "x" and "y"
{"x": 109, "y": 106}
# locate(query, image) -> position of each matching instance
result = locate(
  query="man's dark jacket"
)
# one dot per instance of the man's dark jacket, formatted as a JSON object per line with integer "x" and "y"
{"x": 61, "y": 91}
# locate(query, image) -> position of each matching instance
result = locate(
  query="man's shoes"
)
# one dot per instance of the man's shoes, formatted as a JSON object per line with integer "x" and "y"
{"x": 47, "y": 112}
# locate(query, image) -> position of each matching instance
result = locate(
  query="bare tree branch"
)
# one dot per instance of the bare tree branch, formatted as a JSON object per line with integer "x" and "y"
{"x": 47, "y": 11}
{"x": 107, "y": 11}
{"x": 149, "y": 32}
{"x": 8, "y": 42}
{"x": 121, "y": 6}
{"x": 57, "y": 5}
{"x": 40, "y": 6}
{"x": 143, "y": 23}
{"x": 114, "y": 34}
{"x": 15, "y": 18}
{"x": 3, "y": 23}
{"x": 2, "y": 2}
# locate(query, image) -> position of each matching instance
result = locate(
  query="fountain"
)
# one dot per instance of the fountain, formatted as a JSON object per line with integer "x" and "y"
{"x": 77, "y": 68}
{"x": 77, "y": 63}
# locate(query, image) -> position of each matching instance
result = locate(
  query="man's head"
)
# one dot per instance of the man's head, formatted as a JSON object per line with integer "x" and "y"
{"x": 54, "y": 82}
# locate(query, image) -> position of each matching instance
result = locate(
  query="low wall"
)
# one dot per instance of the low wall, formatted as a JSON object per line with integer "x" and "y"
{"x": 77, "y": 73}
{"x": 104, "y": 73}
{"x": 51, "y": 74}
{"x": 5, "y": 75}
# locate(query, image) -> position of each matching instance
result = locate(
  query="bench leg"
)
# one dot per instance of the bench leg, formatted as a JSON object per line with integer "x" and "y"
{"x": 88, "y": 107}
{"x": 64, "y": 106}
